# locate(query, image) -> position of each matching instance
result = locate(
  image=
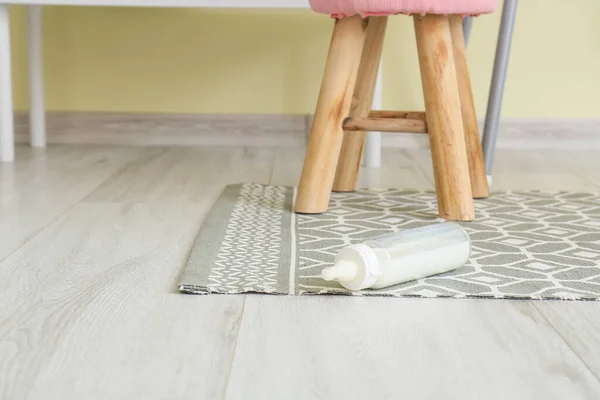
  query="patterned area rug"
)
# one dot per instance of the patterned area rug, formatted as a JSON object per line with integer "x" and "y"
{"x": 525, "y": 245}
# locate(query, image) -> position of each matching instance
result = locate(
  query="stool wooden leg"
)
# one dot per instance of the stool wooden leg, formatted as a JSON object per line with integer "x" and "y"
{"x": 444, "y": 121}
{"x": 333, "y": 106}
{"x": 348, "y": 166}
{"x": 479, "y": 184}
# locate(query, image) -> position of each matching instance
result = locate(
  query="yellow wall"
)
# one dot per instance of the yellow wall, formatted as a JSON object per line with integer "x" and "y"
{"x": 234, "y": 61}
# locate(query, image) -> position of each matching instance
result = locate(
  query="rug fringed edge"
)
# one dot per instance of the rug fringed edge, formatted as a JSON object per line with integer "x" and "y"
{"x": 199, "y": 290}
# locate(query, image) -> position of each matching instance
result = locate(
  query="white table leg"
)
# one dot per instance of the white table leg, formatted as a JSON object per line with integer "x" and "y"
{"x": 7, "y": 133}
{"x": 37, "y": 117}
{"x": 372, "y": 152}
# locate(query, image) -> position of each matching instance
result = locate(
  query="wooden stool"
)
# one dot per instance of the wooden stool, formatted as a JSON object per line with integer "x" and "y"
{"x": 344, "y": 106}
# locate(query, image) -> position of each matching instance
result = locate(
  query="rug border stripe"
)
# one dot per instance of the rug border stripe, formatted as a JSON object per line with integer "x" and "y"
{"x": 208, "y": 241}
{"x": 293, "y": 253}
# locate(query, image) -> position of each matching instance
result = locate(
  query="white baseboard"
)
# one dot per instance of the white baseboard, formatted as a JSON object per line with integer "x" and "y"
{"x": 277, "y": 130}
{"x": 169, "y": 129}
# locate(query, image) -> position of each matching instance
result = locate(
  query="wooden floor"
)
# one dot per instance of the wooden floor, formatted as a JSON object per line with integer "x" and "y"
{"x": 92, "y": 242}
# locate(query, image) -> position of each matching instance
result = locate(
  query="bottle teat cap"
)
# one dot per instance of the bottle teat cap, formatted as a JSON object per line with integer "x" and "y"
{"x": 356, "y": 267}
{"x": 342, "y": 271}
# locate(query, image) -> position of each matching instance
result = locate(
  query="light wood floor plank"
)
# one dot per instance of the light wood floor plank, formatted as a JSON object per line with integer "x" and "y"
{"x": 42, "y": 185}
{"x": 579, "y": 325}
{"x": 339, "y": 348}
{"x": 187, "y": 174}
{"x": 90, "y": 310}
{"x": 532, "y": 170}
{"x": 542, "y": 170}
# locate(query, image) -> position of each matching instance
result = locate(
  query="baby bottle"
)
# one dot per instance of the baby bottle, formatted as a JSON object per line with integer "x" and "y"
{"x": 404, "y": 256}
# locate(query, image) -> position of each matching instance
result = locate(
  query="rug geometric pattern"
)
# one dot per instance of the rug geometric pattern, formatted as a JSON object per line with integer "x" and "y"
{"x": 525, "y": 245}
{"x": 249, "y": 253}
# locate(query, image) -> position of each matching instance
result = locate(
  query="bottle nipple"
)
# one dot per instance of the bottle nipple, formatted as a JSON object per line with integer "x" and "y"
{"x": 342, "y": 271}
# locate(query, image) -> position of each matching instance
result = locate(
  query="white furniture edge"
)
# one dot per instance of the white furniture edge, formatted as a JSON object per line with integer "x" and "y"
{"x": 7, "y": 135}
{"x": 372, "y": 152}
{"x": 168, "y": 3}
{"x": 37, "y": 110}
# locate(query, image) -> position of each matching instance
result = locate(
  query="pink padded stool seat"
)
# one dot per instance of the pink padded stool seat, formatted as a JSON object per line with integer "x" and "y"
{"x": 346, "y": 8}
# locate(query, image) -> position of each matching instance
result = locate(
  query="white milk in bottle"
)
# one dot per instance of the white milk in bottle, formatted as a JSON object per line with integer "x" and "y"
{"x": 400, "y": 257}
